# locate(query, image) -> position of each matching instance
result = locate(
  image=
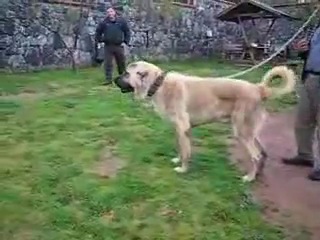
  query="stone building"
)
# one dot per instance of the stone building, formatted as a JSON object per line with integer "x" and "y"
{"x": 38, "y": 34}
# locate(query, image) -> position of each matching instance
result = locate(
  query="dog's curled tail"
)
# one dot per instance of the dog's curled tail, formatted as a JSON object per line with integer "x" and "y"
{"x": 287, "y": 76}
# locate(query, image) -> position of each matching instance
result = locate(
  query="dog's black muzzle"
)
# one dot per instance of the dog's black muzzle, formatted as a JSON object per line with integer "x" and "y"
{"x": 124, "y": 86}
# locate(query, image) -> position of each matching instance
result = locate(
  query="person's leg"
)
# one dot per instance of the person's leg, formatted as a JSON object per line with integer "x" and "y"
{"x": 314, "y": 92}
{"x": 108, "y": 54}
{"x": 316, "y": 165}
{"x": 120, "y": 59}
{"x": 304, "y": 128}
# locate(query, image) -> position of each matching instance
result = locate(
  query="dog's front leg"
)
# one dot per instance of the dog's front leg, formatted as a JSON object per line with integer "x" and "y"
{"x": 183, "y": 136}
{"x": 176, "y": 160}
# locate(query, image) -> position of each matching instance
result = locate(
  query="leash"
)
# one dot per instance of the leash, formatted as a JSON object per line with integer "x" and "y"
{"x": 277, "y": 52}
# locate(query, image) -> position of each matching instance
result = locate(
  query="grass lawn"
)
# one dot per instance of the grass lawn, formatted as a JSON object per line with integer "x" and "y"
{"x": 54, "y": 124}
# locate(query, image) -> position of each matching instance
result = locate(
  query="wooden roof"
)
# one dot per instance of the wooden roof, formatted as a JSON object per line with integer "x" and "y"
{"x": 251, "y": 9}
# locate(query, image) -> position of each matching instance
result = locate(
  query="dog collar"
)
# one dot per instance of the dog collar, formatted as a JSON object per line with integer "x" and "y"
{"x": 157, "y": 83}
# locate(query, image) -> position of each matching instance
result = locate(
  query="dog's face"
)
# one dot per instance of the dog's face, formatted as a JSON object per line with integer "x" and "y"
{"x": 138, "y": 78}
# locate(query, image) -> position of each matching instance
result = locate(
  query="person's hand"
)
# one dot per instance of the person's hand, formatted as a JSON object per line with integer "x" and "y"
{"x": 302, "y": 45}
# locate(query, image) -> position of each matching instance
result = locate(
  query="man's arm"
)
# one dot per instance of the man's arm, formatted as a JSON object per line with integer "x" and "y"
{"x": 306, "y": 43}
{"x": 126, "y": 32}
{"x": 99, "y": 31}
{"x": 303, "y": 48}
{"x": 303, "y": 54}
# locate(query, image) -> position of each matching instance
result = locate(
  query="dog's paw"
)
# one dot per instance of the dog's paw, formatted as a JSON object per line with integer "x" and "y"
{"x": 180, "y": 169}
{"x": 175, "y": 160}
{"x": 248, "y": 178}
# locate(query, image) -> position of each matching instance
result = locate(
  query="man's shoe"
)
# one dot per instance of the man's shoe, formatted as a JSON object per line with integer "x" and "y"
{"x": 107, "y": 83}
{"x": 298, "y": 161}
{"x": 314, "y": 175}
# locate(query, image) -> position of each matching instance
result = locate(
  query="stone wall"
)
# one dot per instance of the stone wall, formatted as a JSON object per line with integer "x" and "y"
{"x": 41, "y": 35}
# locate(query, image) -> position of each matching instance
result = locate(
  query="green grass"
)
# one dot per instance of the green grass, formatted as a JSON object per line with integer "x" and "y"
{"x": 52, "y": 135}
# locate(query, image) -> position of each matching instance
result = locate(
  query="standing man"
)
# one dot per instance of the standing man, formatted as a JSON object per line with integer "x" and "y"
{"x": 308, "y": 118}
{"x": 114, "y": 32}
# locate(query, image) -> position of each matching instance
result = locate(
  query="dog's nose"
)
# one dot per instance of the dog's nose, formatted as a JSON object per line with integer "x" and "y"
{"x": 122, "y": 84}
{"x": 120, "y": 78}
{"x": 117, "y": 80}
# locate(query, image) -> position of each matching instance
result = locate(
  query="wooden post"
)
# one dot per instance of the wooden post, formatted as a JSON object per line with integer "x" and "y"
{"x": 251, "y": 54}
{"x": 270, "y": 27}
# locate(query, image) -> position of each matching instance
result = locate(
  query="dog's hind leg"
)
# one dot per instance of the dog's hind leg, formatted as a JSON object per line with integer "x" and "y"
{"x": 256, "y": 158}
{"x": 183, "y": 132}
{"x": 246, "y": 128}
{"x": 264, "y": 156}
{"x": 257, "y": 119}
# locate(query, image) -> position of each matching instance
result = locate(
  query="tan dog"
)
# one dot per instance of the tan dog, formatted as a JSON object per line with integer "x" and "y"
{"x": 189, "y": 101}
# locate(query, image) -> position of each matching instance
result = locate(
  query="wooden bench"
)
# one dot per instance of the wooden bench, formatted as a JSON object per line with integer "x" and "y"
{"x": 232, "y": 50}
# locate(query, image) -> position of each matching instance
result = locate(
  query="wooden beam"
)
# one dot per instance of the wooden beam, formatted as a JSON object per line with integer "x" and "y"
{"x": 294, "y": 4}
{"x": 83, "y": 3}
{"x": 248, "y": 49}
{"x": 256, "y": 15}
{"x": 243, "y": 30}
{"x": 269, "y": 29}
{"x": 255, "y": 29}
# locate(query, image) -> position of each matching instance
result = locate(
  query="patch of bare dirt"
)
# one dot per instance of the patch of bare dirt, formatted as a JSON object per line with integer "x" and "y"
{"x": 32, "y": 95}
{"x": 289, "y": 198}
{"x": 23, "y": 96}
{"x": 108, "y": 165}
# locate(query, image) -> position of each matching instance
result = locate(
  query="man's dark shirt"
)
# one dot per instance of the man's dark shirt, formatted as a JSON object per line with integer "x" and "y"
{"x": 113, "y": 32}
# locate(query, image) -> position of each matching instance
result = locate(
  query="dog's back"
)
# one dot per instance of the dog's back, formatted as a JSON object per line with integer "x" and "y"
{"x": 208, "y": 99}
{"x": 222, "y": 88}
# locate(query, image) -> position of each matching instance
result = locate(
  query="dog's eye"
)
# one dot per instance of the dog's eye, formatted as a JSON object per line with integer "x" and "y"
{"x": 142, "y": 74}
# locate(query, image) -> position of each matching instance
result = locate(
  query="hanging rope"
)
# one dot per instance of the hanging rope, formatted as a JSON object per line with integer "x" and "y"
{"x": 277, "y": 52}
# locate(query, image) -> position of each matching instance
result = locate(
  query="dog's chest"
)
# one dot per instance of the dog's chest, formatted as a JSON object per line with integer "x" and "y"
{"x": 159, "y": 109}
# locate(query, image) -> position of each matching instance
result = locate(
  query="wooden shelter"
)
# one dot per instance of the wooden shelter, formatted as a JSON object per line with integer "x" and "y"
{"x": 251, "y": 10}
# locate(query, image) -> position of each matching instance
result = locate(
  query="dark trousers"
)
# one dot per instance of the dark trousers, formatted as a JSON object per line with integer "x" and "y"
{"x": 308, "y": 118}
{"x": 116, "y": 51}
